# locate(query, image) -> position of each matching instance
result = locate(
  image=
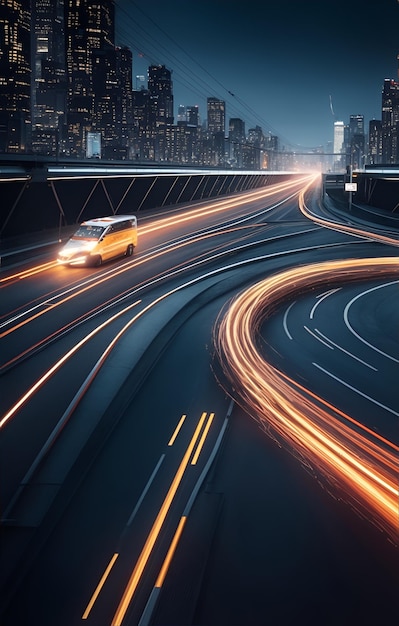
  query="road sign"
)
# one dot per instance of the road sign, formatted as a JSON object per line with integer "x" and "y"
{"x": 350, "y": 186}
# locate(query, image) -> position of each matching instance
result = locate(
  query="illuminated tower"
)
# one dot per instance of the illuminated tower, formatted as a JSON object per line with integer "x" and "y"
{"x": 160, "y": 89}
{"x": 48, "y": 75}
{"x": 112, "y": 105}
{"x": 338, "y": 149}
{"x": 192, "y": 115}
{"x": 375, "y": 142}
{"x": 236, "y": 141}
{"x": 89, "y": 28}
{"x": 216, "y": 110}
{"x": 357, "y": 141}
{"x": 15, "y": 75}
{"x": 216, "y": 115}
{"x": 390, "y": 121}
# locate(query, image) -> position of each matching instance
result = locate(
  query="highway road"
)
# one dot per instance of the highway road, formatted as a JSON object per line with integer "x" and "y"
{"x": 153, "y": 468}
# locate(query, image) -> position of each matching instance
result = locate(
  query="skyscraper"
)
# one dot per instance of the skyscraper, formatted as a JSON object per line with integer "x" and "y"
{"x": 339, "y": 129}
{"x": 161, "y": 107}
{"x": 192, "y": 115}
{"x": 357, "y": 141}
{"x": 15, "y": 75}
{"x": 112, "y": 103}
{"x": 48, "y": 75}
{"x": 89, "y": 27}
{"x": 216, "y": 110}
{"x": 161, "y": 93}
{"x": 181, "y": 113}
{"x": 375, "y": 142}
{"x": 256, "y": 139}
{"x": 390, "y": 121}
{"x": 236, "y": 141}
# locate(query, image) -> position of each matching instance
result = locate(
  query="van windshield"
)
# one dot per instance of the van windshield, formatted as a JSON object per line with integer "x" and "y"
{"x": 88, "y": 232}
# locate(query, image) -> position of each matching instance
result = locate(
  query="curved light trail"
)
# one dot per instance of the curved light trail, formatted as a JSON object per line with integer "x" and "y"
{"x": 345, "y": 228}
{"x": 362, "y": 466}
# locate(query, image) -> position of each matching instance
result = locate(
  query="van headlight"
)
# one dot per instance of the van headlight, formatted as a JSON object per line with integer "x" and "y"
{"x": 76, "y": 252}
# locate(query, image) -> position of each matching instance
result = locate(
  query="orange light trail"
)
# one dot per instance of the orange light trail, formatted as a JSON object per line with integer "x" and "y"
{"x": 177, "y": 430}
{"x": 121, "y": 296}
{"x": 61, "y": 298}
{"x": 155, "y": 530}
{"x": 352, "y": 230}
{"x": 221, "y": 206}
{"x": 51, "y": 371}
{"x": 361, "y": 463}
{"x": 29, "y": 272}
{"x": 184, "y": 217}
{"x": 168, "y": 559}
{"x": 99, "y": 586}
{"x": 202, "y": 440}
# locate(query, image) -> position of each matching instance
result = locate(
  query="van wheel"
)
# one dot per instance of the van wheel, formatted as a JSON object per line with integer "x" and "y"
{"x": 129, "y": 250}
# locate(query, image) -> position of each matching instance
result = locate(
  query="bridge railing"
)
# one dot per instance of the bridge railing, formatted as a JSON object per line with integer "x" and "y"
{"x": 48, "y": 197}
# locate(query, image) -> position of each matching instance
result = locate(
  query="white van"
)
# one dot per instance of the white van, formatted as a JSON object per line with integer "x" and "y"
{"x": 100, "y": 239}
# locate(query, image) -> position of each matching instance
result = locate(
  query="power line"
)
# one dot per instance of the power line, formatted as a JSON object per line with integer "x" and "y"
{"x": 152, "y": 47}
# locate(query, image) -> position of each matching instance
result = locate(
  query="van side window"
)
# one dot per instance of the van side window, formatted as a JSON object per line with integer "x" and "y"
{"x": 118, "y": 226}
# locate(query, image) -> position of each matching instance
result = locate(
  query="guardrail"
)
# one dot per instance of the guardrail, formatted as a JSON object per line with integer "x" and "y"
{"x": 51, "y": 196}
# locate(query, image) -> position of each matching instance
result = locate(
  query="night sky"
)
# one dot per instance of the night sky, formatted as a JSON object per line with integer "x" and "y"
{"x": 291, "y": 67}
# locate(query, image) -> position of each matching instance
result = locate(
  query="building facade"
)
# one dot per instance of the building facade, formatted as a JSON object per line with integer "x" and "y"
{"x": 66, "y": 90}
{"x": 237, "y": 142}
{"x": 15, "y": 76}
{"x": 356, "y": 142}
{"x": 375, "y": 142}
{"x": 390, "y": 121}
{"x": 160, "y": 91}
{"x": 338, "y": 147}
{"x": 216, "y": 126}
{"x": 89, "y": 30}
{"x": 49, "y": 80}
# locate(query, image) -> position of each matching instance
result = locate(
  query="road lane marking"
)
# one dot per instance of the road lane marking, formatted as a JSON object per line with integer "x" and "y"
{"x": 145, "y": 490}
{"x": 153, "y": 599}
{"x": 155, "y": 530}
{"x": 202, "y": 440}
{"x": 156, "y": 590}
{"x": 99, "y": 586}
{"x": 318, "y": 338}
{"x": 171, "y": 551}
{"x": 352, "y": 330}
{"x": 285, "y": 321}
{"x": 322, "y": 297}
{"x": 132, "y": 516}
{"x": 346, "y": 351}
{"x": 177, "y": 430}
{"x": 383, "y": 406}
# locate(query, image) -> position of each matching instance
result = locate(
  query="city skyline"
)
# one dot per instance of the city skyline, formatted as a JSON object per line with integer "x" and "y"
{"x": 116, "y": 89}
{"x": 333, "y": 63}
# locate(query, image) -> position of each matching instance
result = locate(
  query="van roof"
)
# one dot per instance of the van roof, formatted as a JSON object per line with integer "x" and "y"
{"x": 106, "y": 221}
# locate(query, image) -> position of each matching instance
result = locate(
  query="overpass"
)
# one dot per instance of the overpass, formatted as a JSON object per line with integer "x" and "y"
{"x": 39, "y": 196}
{"x": 377, "y": 186}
